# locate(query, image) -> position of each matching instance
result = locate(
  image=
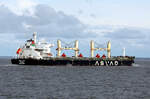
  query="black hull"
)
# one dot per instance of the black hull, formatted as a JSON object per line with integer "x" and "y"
{"x": 74, "y": 62}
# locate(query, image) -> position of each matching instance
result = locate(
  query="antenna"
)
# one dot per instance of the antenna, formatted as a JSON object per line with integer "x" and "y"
{"x": 124, "y": 52}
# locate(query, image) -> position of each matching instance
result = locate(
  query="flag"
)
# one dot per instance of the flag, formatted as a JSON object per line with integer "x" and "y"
{"x": 18, "y": 51}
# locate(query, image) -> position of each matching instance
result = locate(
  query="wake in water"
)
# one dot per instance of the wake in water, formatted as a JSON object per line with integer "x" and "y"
{"x": 136, "y": 65}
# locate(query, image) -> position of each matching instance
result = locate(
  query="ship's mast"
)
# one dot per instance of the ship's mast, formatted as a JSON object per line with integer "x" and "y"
{"x": 34, "y": 36}
{"x": 92, "y": 48}
{"x": 75, "y": 48}
{"x": 108, "y": 49}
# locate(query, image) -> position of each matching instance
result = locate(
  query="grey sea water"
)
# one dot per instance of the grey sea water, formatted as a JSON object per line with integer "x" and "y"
{"x": 43, "y": 82}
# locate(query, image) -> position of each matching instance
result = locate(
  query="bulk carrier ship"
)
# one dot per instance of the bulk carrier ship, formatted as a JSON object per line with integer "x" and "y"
{"x": 34, "y": 52}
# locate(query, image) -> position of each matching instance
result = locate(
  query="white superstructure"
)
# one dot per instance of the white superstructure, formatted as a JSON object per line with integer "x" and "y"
{"x": 34, "y": 49}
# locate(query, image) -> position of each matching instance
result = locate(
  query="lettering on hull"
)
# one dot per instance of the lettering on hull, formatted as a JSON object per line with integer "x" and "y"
{"x": 106, "y": 63}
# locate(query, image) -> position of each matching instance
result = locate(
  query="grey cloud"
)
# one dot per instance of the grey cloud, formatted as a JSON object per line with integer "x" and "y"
{"x": 80, "y": 12}
{"x": 56, "y": 23}
{"x": 93, "y": 15}
{"x": 126, "y": 33}
{"x": 130, "y": 37}
{"x": 46, "y": 21}
{"x": 9, "y": 22}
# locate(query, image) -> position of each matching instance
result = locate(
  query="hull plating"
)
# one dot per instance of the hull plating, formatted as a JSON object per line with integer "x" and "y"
{"x": 74, "y": 62}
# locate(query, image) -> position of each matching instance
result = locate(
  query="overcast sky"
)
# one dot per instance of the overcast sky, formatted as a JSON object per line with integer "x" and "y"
{"x": 126, "y": 23}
